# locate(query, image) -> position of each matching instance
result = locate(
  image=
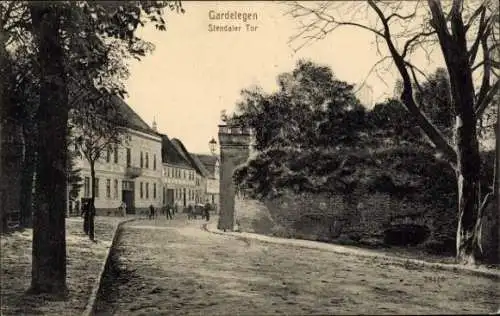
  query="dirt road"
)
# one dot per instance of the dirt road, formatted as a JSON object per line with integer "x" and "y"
{"x": 177, "y": 268}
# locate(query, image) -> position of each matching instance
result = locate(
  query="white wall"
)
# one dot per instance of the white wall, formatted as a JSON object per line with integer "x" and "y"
{"x": 137, "y": 142}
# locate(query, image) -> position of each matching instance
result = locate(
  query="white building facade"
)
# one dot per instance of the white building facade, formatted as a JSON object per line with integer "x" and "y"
{"x": 131, "y": 173}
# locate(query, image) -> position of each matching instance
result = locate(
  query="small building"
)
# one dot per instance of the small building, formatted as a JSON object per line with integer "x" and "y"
{"x": 201, "y": 173}
{"x": 178, "y": 178}
{"x": 212, "y": 165}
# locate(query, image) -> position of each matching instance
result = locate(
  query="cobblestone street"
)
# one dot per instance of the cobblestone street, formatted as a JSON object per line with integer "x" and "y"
{"x": 177, "y": 268}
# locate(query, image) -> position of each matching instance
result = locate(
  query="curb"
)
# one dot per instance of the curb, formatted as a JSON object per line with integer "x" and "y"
{"x": 348, "y": 251}
{"x": 90, "y": 307}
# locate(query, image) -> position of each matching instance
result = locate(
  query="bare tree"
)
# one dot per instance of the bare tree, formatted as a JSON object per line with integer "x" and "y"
{"x": 462, "y": 31}
{"x": 99, "y": 130}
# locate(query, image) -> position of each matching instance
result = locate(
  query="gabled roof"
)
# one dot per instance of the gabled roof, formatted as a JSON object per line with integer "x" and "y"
{"x": 209, "y": 161}
{"x": 120, "y": 113}
{"x": 129, "y": 118}
{"x": 201, "y": 166}
{"x": 195, "y": 163}
{"x": 171, "y": 155}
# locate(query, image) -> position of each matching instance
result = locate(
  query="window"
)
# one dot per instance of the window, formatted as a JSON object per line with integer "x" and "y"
{"x": 147, "y": 190}
{"x": 141, "y": 192}
{"x": 147, "y": 161}
{"x": 108, "y": 188}
{"x": 108, "y": 155}
{"x": 128, "y": 157}
{"x": 86, "y": 187}
{"x": 168, "y": 171}
{"x": 141, "y": 162}
{"x": 184, "y": 174}
{"x": 115, "y": 193}
{"x": 115, "y": 150}
{"x": 96, "y": 187}
{"x": 154, "y": 191}
{"x": 154, "y": 162}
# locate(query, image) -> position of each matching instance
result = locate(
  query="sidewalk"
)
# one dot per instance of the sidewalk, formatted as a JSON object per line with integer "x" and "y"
{"x": 346, "y": 250}
{"x": 85, "y": 263}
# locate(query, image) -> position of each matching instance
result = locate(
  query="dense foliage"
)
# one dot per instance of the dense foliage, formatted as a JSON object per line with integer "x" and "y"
{"x": 314, "y": 138}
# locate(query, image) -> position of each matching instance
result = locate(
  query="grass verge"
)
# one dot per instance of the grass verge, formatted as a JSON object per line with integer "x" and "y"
{"x": 84, "y": 259}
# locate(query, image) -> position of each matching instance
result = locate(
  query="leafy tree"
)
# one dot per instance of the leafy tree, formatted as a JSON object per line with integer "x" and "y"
{"x": 24, "y": 93}
{"x": 309, "y": 109}
{"x": 79, "y": 32}
{"x": 301, "y": 132}
{"x": 467, "y": 35}
{"x": 390, "y": 119}
{"x": 434, "y": 98}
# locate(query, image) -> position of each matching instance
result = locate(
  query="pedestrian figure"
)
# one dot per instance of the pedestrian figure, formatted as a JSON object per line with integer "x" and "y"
{"x": 77, "y": 207}
{"x": 207, "y": 211}
{"x": 151, "y": 211}
{"x": 190, "y": 212}
{"x": 123, "y": 209}
{"x": 85, "y": 214}
{"x": 176, "y": 208}
{"x": 168, "y": 211}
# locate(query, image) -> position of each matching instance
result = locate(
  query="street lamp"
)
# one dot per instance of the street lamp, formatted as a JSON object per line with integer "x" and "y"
{"x": 212, "y": 144}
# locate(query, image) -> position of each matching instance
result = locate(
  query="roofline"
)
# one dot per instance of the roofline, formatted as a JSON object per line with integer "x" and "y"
{"x": 144, "y": 134}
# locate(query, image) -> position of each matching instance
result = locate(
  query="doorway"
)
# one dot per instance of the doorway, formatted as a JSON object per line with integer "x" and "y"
{"x": 128, "y": 196}
{"x": 170, "y": 196}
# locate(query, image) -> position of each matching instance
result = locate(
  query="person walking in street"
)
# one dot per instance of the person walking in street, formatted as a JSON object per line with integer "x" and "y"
{"x": 151, "y": 211}
{"x": 123, "y": 209}
{"x": 206, "y": 209}
{"x": 168, "y": 211}
{"x": 85, "y": 215}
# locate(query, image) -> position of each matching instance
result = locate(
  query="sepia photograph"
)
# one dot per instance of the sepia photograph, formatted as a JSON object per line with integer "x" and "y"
{"x": 250, "y": 157}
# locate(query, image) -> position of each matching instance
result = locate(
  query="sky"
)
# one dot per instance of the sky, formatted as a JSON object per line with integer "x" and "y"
{"x": 195, "y": 73}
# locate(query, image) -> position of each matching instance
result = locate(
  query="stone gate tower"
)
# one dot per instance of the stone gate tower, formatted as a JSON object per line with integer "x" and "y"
{"x": 234, "y": 150}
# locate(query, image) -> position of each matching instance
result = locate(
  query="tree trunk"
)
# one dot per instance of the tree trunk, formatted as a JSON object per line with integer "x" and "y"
{"x": 49, "y": 232}
{"x": 28, "y": 171}
{"x": 468, "y": 247}
{"x": 92, "y": 202}
{"x": 3, "y": 179}
{"x": 496, "y": 191}
{"x": 453, "y": 44}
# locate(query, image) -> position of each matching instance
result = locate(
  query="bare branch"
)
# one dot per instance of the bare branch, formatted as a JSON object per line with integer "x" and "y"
{"x": 402, "y": 17}
{"x": 414, "y": 75}
{"x": 482, "y": 32}
{"x": 485, "y": 84}
{"x": 413, "y": 39}
{"x": 328, "y": 21}
{"x": 480, "y": 10}
{"x": 379, "y": 62}
{"x": 430, "y": 129}
{"x": 481, "y": 107}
